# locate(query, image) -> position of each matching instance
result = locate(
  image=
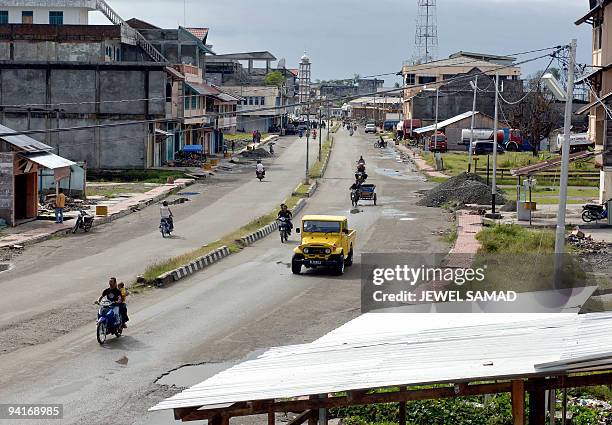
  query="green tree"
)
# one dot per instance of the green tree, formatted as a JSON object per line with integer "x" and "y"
{"x": 274, "y": 78}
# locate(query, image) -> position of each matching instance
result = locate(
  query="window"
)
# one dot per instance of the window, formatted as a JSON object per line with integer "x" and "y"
{"x": 597, "y": 36}
{"x": 27, "y": 17}
{"x": 3, "y": 16}
{"x": 426, "y": 80}
{"x": 410, "y": 79}
{"x": 256, "y": 100}
{"x": 262, "y": 101}
{"x": 250, "y": 100}
{"x": 194, "y": 102}
{"x": 56, "y": 18}
{"x": 186, "y": 102}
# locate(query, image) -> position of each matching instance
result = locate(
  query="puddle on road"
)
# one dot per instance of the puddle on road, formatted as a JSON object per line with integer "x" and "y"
{"x": 189, "y": 375}
{"x": 4, "y": 267}
{"x": 397, "y": 174}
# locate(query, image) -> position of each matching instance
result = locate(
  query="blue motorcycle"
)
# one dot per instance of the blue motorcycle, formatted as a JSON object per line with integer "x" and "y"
{"x": 109, "y": 321}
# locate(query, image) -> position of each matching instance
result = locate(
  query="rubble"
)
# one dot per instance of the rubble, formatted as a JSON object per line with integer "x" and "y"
{"x": 460, "y": 190}
{"x": 586, "y": 244}
{"x": 256, "y": 154}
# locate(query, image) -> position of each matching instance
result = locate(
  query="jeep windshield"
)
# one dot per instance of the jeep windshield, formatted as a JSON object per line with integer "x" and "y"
{"x": 316, "y": 226}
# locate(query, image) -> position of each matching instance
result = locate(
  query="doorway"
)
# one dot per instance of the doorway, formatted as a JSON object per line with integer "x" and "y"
{"x": 26, "y": 204}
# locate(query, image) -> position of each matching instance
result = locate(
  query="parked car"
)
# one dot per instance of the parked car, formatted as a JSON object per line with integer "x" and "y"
{"x": 370, "y": 128}
{"x": 485, "y": 147}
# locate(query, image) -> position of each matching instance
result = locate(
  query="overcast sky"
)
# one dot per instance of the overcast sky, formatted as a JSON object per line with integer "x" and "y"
{"x": 368, "y": 37}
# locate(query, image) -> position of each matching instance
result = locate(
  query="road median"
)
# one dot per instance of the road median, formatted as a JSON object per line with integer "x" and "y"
{"x": 177, "y": 268}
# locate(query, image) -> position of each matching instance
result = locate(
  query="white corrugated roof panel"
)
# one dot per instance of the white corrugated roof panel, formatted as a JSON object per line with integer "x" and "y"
{"x": 384, "y": 350}
{"x": 50, "y": 160}
{"x": 444, "y": 123}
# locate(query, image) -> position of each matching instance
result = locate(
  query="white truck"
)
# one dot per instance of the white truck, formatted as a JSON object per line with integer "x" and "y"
{"x": 578, "y": 142}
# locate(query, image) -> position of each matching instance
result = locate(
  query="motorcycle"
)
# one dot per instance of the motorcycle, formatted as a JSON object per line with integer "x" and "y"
{"x": 593, "y": 212}
{"x": 283, "y": 229}
{"x": 354, "y": 197}
{"x": 84, "y": 221}
{"x": 380, "y": 144}
{"x": 260, "y": 174}
{"x": 351, "y": 132}
{"x": 109, "y": 321}
{"x": 361, "y": 176}
{"x": 165, "y": 227}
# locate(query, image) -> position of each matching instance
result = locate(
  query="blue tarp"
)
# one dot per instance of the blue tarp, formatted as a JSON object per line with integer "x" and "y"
{"x": 193, "y": 148}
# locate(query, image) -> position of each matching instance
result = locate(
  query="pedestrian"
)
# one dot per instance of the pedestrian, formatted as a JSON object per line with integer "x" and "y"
{"x": 233, "y": 146}
{"x": 224, "y": 148}
{"x": 254, "y": 136}
{"x": 258, "y": 137}
{"x": 60, "y": 203}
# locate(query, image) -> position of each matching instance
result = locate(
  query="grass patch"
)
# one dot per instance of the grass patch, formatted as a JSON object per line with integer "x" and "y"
{"x": 316, "y": 171}
{"x": 144, "y": 176}
{"x": 242, "y": 137}
{"x": 335, "y": 127}
{"x": 451, "y": 236}
{"x": 515, "y": 239}
{"x": 302, "y": 190}
{"x": 111, "y": 191}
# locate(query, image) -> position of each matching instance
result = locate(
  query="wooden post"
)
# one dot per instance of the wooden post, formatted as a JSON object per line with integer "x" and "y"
{"x": 323, "y": 412}
{"x": 402, "y": 409}
{"x": 537, "y": 405}
{"x": 312, "y": 419}
{"x": 518, "y": 402}
{"x": 271, "y": 417}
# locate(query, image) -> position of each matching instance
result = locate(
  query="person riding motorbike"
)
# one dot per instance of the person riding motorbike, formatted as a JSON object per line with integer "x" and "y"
{"x": 286, "y": 213}
{"x": 361, "y": 161}
{"x": 166, "y": 214}
{"x": 113, "y": 294}
{"x": 259, "y": 168}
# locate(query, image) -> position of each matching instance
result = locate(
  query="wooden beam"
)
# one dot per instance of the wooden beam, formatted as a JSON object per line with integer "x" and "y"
{"x": 402, "y": 408}
{"x": 537, "y": 404}
{"x": 301, "y": 418}
{"x": 518, "y": 402}
{"x": 313, "y": 403}
{"x": 271, "y": 418}
{"x": 312, "y": 419}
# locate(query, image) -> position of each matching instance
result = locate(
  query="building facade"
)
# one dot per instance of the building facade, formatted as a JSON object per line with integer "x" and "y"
{"x": 67, "y": 12}
{"x": 599, "y": 83}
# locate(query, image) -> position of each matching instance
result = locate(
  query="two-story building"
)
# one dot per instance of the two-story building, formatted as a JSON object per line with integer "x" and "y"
{"x": 419, "y": 79}
{"x": 72, "y": 12}
{"x": 599, "y": 83}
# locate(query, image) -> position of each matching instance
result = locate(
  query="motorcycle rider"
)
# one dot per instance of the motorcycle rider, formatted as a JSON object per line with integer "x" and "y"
{"x": 361, "y": 161}
{"x": 286, "y": 213}
{"x": 259, "y": 168}
{"x": 361, "y": 165}
{"x": 166, "y": 214}
{"x": 113, "y": 294}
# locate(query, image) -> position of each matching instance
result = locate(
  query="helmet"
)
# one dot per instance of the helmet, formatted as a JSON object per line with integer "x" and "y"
{"x": 165, "y": 203}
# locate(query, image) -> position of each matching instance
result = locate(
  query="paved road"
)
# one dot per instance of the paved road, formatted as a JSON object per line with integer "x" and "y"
{"x": 247, "y": 302}
{"x": 68, "y": 270}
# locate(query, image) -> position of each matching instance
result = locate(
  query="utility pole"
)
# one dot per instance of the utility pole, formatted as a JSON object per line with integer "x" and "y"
{"x": 494, "y": 181}
{"x": 472, "y": 126}
{"x": 307, "y": 176}
{"x": 435, "y": 135}
{"x": 320, "y": 130}
{"x": 560, "y": 233}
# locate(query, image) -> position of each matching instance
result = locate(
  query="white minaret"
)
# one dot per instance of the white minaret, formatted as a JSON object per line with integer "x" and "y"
{"x": 304, "y": 81}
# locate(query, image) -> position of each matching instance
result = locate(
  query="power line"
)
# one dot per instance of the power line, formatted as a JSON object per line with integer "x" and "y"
{"x": 255, "y": 110}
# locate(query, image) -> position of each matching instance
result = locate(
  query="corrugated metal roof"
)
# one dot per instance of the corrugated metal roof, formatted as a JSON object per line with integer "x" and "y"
{"x": 49, "y": 160}
{"x": 444, "y": 123}
{"x": 204, "y": 89}
{"x": 23, "y": 142}
{"x": 386, "y": 350}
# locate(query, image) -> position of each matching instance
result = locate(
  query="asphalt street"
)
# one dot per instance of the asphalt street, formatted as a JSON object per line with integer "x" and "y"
{"x": 247, "y": 302}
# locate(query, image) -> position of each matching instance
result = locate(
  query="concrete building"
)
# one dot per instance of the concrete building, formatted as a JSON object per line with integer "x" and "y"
{"x": 434, "y": 74}
{"x": 243, "y": 75}
{"x": 599, "y": 83}
{"x": 53, "y": 12}
{"x": 453, "y": 127}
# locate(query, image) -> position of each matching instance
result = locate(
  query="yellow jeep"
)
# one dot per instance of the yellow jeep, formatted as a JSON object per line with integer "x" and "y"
{"x": 327, "y": 241}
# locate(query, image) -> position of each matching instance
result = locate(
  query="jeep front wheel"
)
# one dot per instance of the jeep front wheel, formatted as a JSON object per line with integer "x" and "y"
{"x": 340, "y": 266}
{"x": 296, "y": 267}
{"x": 349, "y": 260}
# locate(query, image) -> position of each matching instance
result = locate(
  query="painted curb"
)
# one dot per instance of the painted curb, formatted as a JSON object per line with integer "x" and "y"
{"x": 311, "y": 191}
{"x": 331, "y": 148}
{"x": 193, "y": 267}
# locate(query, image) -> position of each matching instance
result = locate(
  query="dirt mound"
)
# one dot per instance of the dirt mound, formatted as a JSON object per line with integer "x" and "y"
{"x": 256, "y": 154}
{"x": 462, "y": 189}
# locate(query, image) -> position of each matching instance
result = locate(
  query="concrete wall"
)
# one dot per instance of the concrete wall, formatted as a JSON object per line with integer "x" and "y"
{"x": 72, "y": 15}
{"x": 76, "y": 91}
{"x": 6, "y": 186}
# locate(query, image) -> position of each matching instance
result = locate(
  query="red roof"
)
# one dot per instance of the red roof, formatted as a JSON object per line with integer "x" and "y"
{"x": 201, "y": 33}
{"x": 295, "y": 72}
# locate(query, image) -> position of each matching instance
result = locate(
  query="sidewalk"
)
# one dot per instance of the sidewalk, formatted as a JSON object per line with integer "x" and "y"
{"x": 41, "y": 230}
{"x": 420, "y": 163}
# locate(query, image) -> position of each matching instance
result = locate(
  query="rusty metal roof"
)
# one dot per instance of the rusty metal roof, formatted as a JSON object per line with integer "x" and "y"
{"x": 22, "y": 142}
{"x": 551, "y": 163}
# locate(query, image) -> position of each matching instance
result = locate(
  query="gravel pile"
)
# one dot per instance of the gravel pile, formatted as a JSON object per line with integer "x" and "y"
{"x": 461, "y": 190}
{"x": 256, "y": 154}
